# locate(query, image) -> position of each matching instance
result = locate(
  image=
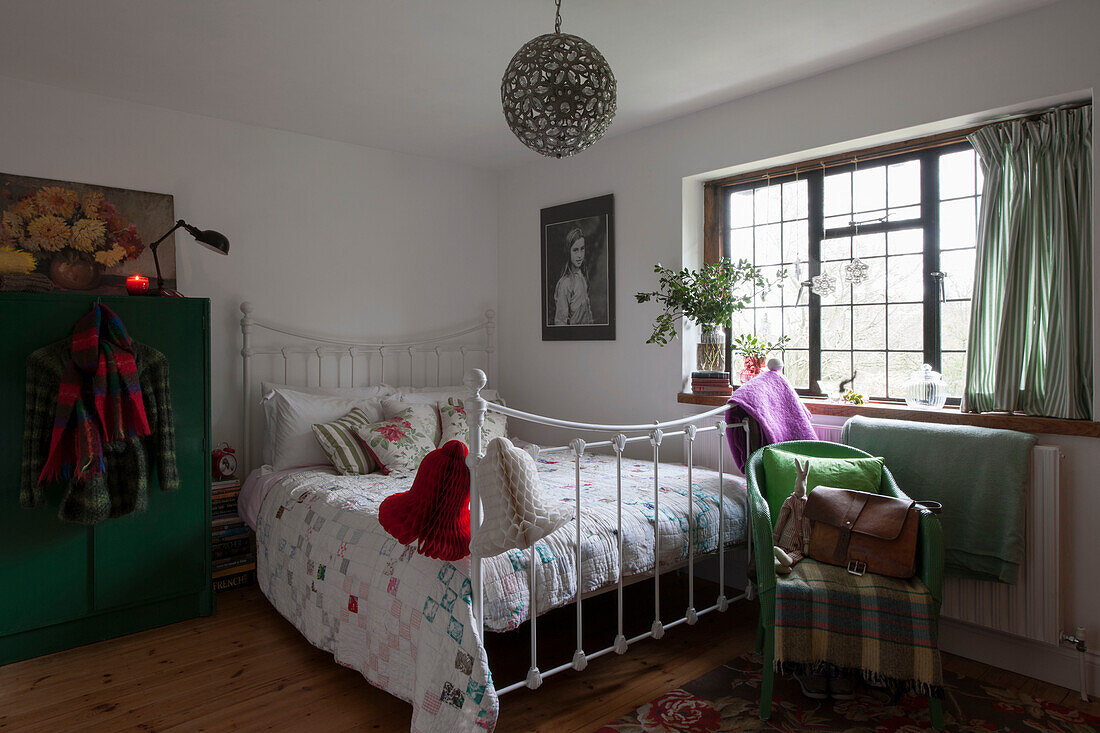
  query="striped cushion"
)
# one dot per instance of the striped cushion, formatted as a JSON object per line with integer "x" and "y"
{"x": 342, "y": 445}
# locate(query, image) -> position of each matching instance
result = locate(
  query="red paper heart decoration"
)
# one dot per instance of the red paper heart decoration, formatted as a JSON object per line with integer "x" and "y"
{"x": 436, "y": 510}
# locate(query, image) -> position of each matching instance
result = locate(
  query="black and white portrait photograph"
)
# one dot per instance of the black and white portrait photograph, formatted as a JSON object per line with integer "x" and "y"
{"x": 578, "y": 273}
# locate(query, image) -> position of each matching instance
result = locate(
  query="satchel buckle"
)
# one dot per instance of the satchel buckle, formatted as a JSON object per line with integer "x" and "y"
{"x": 857, "y": 567}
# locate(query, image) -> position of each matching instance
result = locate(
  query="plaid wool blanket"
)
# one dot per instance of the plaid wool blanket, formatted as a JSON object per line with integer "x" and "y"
{"x": 881, "y": 628}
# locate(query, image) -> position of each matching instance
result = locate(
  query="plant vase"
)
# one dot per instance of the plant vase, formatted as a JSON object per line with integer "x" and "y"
{"x": 710, "y": 353}
{"x": 73, "y": 272}
{"x": 752, "y": 367}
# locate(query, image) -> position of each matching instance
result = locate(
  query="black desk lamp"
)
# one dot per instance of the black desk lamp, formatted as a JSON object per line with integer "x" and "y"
{"x": 215, "y": 241}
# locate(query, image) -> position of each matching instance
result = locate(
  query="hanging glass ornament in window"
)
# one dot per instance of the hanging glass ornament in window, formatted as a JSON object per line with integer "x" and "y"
{"x": 823, "y": 284}
{"x": 856, "y": 271}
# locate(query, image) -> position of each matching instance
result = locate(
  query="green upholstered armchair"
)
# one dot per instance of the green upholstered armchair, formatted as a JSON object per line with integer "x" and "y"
{"x": 929, "y": 552}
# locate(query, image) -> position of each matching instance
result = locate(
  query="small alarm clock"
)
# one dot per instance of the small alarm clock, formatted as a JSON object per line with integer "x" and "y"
{"x": 225, "y": 462}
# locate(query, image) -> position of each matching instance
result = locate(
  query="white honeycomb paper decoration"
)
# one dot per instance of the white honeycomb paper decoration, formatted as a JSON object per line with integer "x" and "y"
{"x": 515, "y": 515}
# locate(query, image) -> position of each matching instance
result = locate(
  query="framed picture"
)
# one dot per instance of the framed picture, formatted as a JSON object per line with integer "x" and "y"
{"x": 578, "y": 271}
{"x": 63, "y": 236}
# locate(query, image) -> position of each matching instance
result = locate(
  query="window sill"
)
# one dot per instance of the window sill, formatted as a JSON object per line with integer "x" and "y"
{"x": 949, "y": 415}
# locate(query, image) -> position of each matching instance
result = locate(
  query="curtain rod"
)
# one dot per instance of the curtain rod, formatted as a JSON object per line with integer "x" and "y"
{"x": 883, "y": 151}
{"x": 1033, "y": 116}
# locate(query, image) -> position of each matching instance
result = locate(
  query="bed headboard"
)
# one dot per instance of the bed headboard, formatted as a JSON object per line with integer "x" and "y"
{"x": 315, "y": 360}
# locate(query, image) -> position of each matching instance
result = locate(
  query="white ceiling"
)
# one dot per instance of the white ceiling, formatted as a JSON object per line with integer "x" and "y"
{"x": 423, "y": 76}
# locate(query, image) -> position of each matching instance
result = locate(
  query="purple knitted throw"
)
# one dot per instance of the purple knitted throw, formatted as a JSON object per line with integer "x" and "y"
{"x": 771, "y": 401}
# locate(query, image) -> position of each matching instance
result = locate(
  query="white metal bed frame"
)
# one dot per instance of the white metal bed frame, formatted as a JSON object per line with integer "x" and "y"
{"x": 419, "y": 354}
{"x": 654, "y": 433}
{"x": 336, "y": 350}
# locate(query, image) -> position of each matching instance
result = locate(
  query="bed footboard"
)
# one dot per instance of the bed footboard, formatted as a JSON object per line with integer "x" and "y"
{"x": 696, "y": 427}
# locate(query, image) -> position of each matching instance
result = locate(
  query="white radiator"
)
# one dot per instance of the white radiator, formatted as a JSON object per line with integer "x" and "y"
{"x": 1030, "y": 608}
{"x": 705, "y": 453}
{"x": 830, "y": 433}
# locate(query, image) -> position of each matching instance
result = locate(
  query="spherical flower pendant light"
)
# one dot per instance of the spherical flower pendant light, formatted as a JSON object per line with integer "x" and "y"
{"x": 558, "y": 93}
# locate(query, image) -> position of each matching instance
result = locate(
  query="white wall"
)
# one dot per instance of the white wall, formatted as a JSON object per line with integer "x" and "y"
{"x": 654, "y": 173}
{"x": 349, "y": 240}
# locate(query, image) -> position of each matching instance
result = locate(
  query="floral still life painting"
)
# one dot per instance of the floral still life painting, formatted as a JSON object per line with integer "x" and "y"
{"x": 62, "y": 236}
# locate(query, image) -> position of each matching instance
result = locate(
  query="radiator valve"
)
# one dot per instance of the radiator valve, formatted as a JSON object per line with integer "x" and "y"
{"x": 1077, "y": 641}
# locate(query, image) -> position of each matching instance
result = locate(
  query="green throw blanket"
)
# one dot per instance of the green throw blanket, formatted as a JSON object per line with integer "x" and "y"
{"x": 978, "y": 474}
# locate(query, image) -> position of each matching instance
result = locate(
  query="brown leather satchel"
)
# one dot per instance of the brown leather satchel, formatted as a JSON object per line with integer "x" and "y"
{"x": 867, "y": 533}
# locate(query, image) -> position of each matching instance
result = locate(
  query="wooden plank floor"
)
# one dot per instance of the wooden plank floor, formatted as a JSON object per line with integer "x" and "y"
{"x": 247, "y": 668}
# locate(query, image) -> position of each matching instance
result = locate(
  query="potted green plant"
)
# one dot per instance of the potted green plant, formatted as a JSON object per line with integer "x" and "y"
{"x": 753, "y": 351}
{"x": 708, "y": 297}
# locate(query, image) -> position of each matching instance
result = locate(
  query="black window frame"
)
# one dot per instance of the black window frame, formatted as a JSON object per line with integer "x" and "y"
{"x": 928, "y": 222}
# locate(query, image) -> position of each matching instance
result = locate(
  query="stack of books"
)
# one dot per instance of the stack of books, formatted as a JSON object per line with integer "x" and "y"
{"x": 233, "y": 551}
{"x": 711, "y": 383}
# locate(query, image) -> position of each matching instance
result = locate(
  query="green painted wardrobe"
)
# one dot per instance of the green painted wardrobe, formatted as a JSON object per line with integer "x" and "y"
{"x": 64, "y": 584}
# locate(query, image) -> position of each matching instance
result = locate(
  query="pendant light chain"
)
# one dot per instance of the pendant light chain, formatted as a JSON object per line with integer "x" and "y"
{"x": 557, "y": 17}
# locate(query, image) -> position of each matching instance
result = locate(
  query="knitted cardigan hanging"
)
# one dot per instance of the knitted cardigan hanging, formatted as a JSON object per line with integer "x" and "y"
{"x": 99, "y": 400}
{"x": 132, "y": 463}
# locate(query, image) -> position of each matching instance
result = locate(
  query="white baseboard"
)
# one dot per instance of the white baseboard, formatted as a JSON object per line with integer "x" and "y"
{"x": 1057, "y": 665}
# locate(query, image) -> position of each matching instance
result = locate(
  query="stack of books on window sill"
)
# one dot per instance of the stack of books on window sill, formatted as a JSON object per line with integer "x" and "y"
{"x": 233, "y": 551}
{"x": 711, "y": 383}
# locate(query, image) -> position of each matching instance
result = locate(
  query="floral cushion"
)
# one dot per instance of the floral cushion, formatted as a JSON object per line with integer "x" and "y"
{"x": 392, "y": 406}
{"x": 452, "y": 417}
{"x": 400, "y": 443}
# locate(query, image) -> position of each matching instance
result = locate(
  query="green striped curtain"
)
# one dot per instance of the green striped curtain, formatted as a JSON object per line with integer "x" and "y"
{"x": 1030, "y": 346}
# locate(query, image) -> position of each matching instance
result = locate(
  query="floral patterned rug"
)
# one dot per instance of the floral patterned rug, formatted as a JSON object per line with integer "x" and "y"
{"x": 726, "y": 699}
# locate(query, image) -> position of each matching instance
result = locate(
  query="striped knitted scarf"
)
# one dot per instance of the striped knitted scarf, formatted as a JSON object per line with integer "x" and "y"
{"x": 99, "y": 400}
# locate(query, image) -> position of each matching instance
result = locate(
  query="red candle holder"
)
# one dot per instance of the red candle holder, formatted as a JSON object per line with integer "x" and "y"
{"x": 137, "y": 285}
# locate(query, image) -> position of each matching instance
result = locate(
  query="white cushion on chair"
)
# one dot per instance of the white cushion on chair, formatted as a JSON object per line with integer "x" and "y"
{"x": 515, "y": 515}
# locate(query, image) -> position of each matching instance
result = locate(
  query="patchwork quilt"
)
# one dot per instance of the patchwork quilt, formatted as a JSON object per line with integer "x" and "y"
{"x": 505, "y": 577}
{"x": 404, "y": 620}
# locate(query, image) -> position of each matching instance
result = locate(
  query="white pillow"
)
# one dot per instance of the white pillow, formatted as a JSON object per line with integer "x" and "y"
{"x": 516, "y": 516}
{"x": 270, "y": 405}
{"x": 442, "y": 394}
{"x": 419, "y": 398}
{"x": 351, "y": 393}
{"x": 295, "y": 415}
